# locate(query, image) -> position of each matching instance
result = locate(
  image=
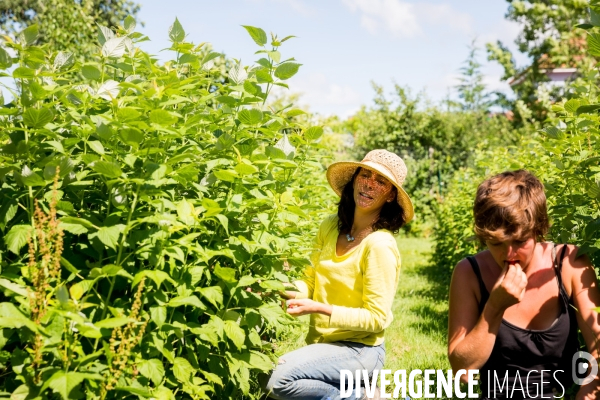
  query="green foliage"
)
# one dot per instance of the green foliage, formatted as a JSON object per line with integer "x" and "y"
{"x": 433, "y": 142}
{"x": 564, "y": 155}
{"x": 549, "y": 40}
{"x": 184, "y": 203}
{"x": 471, "y": 89}
{"x": 454, "y": 237}
{"x": 82, "y": 18}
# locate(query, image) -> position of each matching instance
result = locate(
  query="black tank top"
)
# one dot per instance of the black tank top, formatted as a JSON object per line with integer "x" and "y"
{"x": 520, "y": 355}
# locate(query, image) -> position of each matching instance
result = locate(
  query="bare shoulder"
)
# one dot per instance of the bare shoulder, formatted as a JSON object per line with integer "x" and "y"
{"x": 464, "y": 279}
{"x": 577, "y": 270}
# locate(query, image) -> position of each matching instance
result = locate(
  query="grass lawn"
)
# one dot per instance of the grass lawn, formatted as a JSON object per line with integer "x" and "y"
{"x": 416, "y": 339}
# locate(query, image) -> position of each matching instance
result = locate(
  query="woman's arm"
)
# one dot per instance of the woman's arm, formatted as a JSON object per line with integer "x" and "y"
{"x": 471, "y": 336}
{"x": 380, "y": 268}
{"x": 380, "y": 265}
{"x": 586, "y": 298}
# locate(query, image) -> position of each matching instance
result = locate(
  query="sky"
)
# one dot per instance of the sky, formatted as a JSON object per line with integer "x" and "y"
{"x": 345, "y": 45}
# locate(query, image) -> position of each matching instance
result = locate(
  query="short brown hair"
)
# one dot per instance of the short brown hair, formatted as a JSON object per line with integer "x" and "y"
{"x": 511, "y": 204}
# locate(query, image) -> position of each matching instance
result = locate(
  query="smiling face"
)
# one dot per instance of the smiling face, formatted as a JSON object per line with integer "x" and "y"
{"x": 512, "y": 251}
{"x": 372, "y": 190}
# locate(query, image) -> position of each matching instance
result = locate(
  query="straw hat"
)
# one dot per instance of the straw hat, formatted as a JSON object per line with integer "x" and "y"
{"x": 381, "y": 161}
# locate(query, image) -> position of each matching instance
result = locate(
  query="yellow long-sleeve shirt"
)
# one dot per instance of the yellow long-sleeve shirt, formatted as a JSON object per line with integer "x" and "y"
{"x": 360, "y": 285}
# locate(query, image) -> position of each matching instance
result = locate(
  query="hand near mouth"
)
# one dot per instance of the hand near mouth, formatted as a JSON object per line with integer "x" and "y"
{"x": 510, "y": 286}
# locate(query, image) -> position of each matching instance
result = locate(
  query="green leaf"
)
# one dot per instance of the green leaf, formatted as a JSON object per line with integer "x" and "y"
{"x": 141, "y": 392}
{"x": 109, "y": 90}
{"x": 30, "y": 178}
{"x": 108, "y": 169}
{"x": 37, "y": 118}
{"x": 11, "y": 317}
{"x": 214, "y": 294}
{"x": 63, "y": 60}
{"x": 129, "y": 24}
{"x": 16, "y": 238}
{"x": 78, "y": 221}
{"x": 236, "y": 334}
{"x": 313, "y": 133}
{"x": 185, "y": 212}
{"x": 250, "y": 117}
{"x": 114, "y": 48}
{"x": 156, "y": 275}
{"x": 245, "y": 169}
{"x": 226, "y": 175}
{"x": 186, "y": 301}
{"x": 30, "y": 34}
{"x": 104, "y": 34}
{"x": 183, "y": 370}
{"x": 294, "y": 113}
{"x": 162, "y": 117}
{"x": 594, "y": 17}
{"x": 91, "y": 72}
{"x": 224, "y": 221}
{"x": 131, "y": 137}
{"x": 20, "y": 393}
{"x": 176, "y": 32}
{"x": 553, "y": 132}
{"x": 152, "y": 369}
{"x": 14, "y": 287}
{"x": 287, "y": 70}
{"x": 584, "y": 26}
{"x": 258, "y": 35}
{"x": 226, "y": 274}
{"x": 66, "y": 383}
{"x": 272, "y": 285}
{"x": 263, "y": 76}
{"x": 128, "y": 113}
{"x": 5, "y": 59}
{"x": 96, "y": 146}
{"x": 80, "y": 288}
{"x": 158, "y": 315}
{"x": 23, "y": 73}
{"x": 572, "y": 105}
{"x": 73, "y": 228}
{"x": 109, "y": 235}
{"x": 588, "y": 109}
{"x": 593, "y": 42}
{"x": 275, "y": 55}
{"x": 111, "y": 323}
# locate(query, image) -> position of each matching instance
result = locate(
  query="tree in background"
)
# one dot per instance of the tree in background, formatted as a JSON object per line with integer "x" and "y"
{"x": 471, "y": 89}
{"x": 549, "y": 41}
{"x": 52, "y": 16}
{"x": 433, "y": 142}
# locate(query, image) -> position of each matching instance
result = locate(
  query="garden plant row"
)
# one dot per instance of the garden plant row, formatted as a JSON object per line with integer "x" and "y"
{"x": 149, "y": 213}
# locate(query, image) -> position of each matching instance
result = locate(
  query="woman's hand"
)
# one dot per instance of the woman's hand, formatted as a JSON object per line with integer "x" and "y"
{"x": 509, "y": 289}
{"x": 301, "y": 307}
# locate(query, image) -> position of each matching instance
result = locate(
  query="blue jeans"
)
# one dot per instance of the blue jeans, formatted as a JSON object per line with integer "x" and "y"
{"x": 313, "y": 372}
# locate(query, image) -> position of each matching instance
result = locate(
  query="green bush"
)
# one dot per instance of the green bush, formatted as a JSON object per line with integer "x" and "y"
{"x": 564, "y": 155}
{"x": 433, "y": 142}
{"x": 181, "y": 203}
{"x": 454, "y": 237}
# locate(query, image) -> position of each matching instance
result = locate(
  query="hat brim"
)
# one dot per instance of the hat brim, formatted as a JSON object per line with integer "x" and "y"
{"x": 340, "y": 173}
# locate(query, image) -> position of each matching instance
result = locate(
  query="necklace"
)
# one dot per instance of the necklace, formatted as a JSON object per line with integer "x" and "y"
{"x": 351, "y": 238}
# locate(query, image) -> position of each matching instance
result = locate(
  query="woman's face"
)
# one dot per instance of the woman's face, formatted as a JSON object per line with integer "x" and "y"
{"x": 512, "y": 251}
{"x": 371, "y": 190}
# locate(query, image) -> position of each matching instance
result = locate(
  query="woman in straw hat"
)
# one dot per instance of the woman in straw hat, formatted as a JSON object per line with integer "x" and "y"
{"x": 349, "y": 288}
